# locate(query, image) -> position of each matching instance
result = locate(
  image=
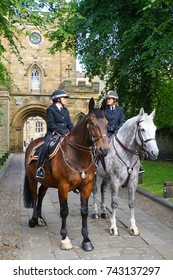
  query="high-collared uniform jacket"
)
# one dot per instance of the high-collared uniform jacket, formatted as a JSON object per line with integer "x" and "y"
{"x": 115, "y": 118}
{"x": 58, "y": 120}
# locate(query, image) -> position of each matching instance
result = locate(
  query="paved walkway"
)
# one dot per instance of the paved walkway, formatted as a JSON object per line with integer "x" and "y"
{"x": 42, "y": 243}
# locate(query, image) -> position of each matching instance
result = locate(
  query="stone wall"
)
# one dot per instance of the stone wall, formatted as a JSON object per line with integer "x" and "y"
{"x": 4, "y": 121}
{"x": 23, "y": 101}
{"x": 18, "y": 108}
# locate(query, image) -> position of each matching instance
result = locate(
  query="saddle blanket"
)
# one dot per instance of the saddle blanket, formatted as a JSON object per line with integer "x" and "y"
{"x": 52, "y": 149}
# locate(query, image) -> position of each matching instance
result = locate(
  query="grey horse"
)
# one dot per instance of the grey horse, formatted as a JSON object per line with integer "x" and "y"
{"x": 121, "y": 165}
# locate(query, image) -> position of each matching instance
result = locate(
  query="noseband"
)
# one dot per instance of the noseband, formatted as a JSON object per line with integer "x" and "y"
{"x": 94, "y": 138}
{"x": 143, "y": 142}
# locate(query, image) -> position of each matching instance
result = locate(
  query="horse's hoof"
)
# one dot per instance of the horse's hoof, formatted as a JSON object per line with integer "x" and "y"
{"x": 33, "y": 222}
{"x": 134, "y": 232}
{"x": 94, "y": 216}
{"x": 104, "y": 216}
{"x": 66, "y": 244}
{"x": 41, "y": 222}
{"x": 113, "y": 232}
{"x": 87, "y": 246}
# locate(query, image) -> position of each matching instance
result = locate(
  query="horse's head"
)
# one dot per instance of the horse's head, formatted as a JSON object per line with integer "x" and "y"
{"x": 147, "y": 133}
{"x": 97, "y": 128}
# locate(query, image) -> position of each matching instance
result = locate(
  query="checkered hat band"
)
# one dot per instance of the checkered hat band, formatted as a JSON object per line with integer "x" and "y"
{"x": 60, "y": 95}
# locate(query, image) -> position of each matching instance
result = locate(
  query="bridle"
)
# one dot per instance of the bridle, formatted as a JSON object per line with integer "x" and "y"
{"x": 94, "y": 139}
{"x": 140, "y": 140}
{"x": 138, "y": 136}
{"x": 91, "y": 149}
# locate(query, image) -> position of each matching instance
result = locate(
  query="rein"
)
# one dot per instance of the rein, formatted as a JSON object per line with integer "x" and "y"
{"x": 90, "y": 149}
{"x": 125, "y": 148}
{"x": 129, "y": 169}
{"x": 80, "y": 147}
{"x": 83, "y": 175}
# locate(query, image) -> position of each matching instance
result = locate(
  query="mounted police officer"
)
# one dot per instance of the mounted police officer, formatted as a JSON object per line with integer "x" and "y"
{"x": 58, "y": 121}
{"x": 114, "y": 113}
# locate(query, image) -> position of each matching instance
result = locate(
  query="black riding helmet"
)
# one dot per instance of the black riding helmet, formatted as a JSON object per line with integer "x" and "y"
{"x": 57, "y": 94}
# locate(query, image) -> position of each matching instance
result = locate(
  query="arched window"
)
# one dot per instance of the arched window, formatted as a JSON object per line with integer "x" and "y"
{"x": 35, "y": 79}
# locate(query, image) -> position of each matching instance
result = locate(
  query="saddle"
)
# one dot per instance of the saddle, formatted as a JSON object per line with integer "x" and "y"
{"x": 52, "y": 149}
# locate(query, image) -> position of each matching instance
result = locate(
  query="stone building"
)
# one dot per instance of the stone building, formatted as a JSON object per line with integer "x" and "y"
{"x": 34, "y": 81}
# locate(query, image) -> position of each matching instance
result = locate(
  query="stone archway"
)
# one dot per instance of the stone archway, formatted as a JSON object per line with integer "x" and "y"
{"x": 17, "y": 124}
{"x": 18, "y": 107}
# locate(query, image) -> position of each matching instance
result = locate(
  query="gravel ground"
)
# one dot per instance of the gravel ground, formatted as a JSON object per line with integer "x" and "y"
{"x": 10, "y": 199}
{"x": 10, "y": 209}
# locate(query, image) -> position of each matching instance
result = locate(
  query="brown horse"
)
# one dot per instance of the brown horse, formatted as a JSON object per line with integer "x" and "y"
{"x": 72, "y": 168}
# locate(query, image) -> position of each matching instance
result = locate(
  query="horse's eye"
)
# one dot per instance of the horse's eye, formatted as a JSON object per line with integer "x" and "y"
{"x": 142, "y": 130}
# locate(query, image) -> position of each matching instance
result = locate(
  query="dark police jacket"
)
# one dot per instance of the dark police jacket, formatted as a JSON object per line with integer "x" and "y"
{"x": 115, "y": 119}
{"x": 58, "y": 120}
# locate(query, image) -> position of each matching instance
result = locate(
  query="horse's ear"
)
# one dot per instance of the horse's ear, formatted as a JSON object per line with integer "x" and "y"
{"x": 141, "y": 113}
{"x": 91, "y": 104}
{"x": 152, "y": 115}
{"x": 103, "y": 105}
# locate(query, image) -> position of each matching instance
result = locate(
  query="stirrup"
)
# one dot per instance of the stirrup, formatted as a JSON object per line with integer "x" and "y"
{"x": 40, "y": 174}
{"x": 141, "y": 169}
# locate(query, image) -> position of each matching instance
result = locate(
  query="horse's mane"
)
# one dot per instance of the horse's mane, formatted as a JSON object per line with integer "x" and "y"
{"x": 129, "y": 122}
{"x": 132, "y": 121}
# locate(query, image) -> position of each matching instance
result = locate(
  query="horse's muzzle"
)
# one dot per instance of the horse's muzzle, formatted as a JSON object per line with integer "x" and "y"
{"x": 154, "y": 154}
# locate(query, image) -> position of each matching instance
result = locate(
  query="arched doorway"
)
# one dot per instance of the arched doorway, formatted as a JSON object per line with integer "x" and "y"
{"x": 36, "y": 113}
{"x": 34, "y": 127}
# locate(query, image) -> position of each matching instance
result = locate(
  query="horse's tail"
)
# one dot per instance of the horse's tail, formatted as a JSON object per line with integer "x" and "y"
{"x": 28, "y": 202}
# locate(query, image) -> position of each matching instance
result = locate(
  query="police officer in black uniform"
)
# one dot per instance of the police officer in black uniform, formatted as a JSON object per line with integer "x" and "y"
{"x": 58, "y": 121}
{"x": 114, "y": 113}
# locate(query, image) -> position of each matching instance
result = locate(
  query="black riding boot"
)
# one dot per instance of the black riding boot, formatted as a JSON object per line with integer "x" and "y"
{"x": 40, "y": 162}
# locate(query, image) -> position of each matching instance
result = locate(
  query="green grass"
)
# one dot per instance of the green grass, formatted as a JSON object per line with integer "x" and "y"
{"x": 155, "y": 175}
{"x": 1, "y": 166}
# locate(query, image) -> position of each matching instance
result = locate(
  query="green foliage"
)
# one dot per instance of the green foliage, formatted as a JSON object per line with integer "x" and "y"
{"x": 127, "y": 43}
{"x": 151, "y": 3}
{"x": 14, "y": 16}
{"x": 62, "y": 31}
{"x": 164, "y": 115}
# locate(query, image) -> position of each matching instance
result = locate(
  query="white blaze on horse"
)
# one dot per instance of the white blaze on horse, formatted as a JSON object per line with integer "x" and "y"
{"x": 121, "y": 165}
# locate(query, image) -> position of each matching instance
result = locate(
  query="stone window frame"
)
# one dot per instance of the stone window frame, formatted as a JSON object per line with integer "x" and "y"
{"x": 42, "y": 74}
{"x": 35, "y": 79}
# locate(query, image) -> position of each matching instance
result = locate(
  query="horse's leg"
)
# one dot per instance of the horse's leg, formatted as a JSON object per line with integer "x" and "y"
{"x": 64, "y": 210}
{"x": 30, "y": 198}
{"x": 131, "y": 193}
{"x": 95, "y": 214}
{"x": 86, "y": 244}
{"x": 114, "y": 204}
{"x": 41, "y": 194}
{"x": 104, "y": 214}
